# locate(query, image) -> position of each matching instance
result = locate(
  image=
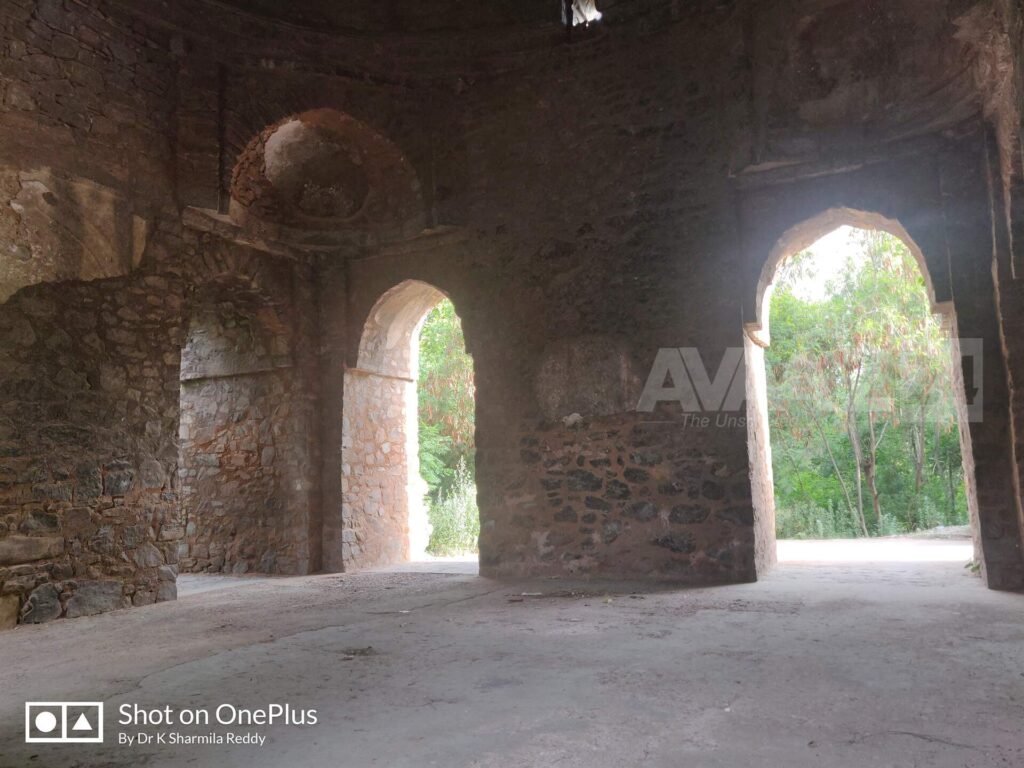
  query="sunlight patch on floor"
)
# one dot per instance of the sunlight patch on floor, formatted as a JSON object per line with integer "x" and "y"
{"x": 884, "y": 550}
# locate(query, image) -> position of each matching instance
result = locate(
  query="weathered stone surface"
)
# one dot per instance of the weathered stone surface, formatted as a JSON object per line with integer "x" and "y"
{"x": 152, "y": 475}
{"x": 589, "y": 376}
{"x": 246, "y": 493}
{"x": 9, "y": 608}
{"x": 118, "y": 479}
{"x": 581, "y": 480}
{"x": 679, "y": 543}
{"x": 126, "y": 329}
{"x": 40, "y": 522}
{"x": 685, "y": 514}
{"x": 148, "y": 556}
{"x": 166, "y": 590}
{"x": 92, "y": 597}
{"x": 737, "y": 515}
{"x": 89, "y": 483}
{"x": 43, "y": 605}
{"x": 643, "y": 511}
{"x": 25, "y": 549}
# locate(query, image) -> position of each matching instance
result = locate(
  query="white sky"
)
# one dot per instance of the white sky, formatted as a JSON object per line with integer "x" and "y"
{"x": 829, "y": 259}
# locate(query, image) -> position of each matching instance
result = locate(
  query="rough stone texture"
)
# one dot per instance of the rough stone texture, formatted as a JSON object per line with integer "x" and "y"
{"x": 86, "y": 99}
{"x": 585, "y": 203}
{"x": 624, "y": 497}
{"x": 92, "y": 597}
{"x": 89, "y": 398}
{"x": 25, "y": 549}
{"x": 243, "y": 437}
{"x": 375, "y": 472}
{"x": 42, "y": 605}
{"x": 9, "y": 609}
{"x": 383, "y": 518}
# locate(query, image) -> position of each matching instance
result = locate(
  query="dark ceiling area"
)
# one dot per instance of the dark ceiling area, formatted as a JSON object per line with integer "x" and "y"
{"x": 384, "y": 16}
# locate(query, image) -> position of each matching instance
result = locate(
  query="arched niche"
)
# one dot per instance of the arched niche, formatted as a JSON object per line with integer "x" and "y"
{"x": 323, "y": 176}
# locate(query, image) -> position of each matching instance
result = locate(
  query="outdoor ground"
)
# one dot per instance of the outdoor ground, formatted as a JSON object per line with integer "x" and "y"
{"x": 881, "y": 653}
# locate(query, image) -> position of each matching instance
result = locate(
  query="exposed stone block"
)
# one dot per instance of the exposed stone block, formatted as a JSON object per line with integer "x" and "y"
{"x": 25, "y": 549}
{"x": 118, "y": 479}
{"x": 39, "y": 521}
{"x": 9, "y": 608}
{"x": 92, "y": 597}
{"x": 148, "y": 556}
{"x": 166, "y": 590}
{"x": 42, "y": 605}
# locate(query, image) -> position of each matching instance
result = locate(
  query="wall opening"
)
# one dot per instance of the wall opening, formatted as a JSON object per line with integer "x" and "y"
{"x": 400, "y": 470}
{"x": 583, "y": 12}
{"x": 858, "y": 423}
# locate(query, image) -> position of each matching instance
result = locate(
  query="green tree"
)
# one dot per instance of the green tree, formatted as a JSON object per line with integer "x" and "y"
{"x": 861, "y": 382}
{"x": 446, "y": 396}
{"x": 446, "y": 399}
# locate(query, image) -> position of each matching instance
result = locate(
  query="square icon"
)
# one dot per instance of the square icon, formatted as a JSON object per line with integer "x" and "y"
{"x": 63, "y": 722}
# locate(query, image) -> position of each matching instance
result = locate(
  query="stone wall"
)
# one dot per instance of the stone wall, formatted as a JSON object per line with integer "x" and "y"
{"x": 89, "y": 415}
{"x": 236, "y": 389}
{"x": 245, "y": 454}
{"x": 89, "y": 409}
{"x": 375, "y": 471}
{"x": 1001, "y": 76}
{"x": 383, "y": 515}
{"x": 604, "y": 202}
{"x": 624, "y": 497}
{"x": 85, "y": 100}
{"x": 587, "y": 202}
{"x": 92, "y": 517}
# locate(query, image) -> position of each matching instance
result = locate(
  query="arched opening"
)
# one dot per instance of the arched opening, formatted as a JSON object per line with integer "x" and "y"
{"x": 387, "y": 497}
{"x": 857, "y": 402}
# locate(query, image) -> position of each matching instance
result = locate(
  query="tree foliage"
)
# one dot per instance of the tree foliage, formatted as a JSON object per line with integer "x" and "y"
{"x": 863, "y": 419}
{"x": 446, "y": 396}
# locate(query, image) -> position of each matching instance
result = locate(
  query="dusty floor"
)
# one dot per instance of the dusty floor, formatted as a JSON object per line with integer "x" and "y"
{"x": 833, "y": 660}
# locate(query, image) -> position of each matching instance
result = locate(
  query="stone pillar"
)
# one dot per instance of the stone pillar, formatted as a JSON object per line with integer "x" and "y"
{"x": 968, "y": 224}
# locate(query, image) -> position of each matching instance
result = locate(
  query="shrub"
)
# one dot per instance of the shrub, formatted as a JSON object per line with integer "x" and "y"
{"x": 806, "y": 520}
{"x": 455, "y": 517}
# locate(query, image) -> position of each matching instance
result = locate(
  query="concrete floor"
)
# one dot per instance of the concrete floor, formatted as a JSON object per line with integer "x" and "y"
{"x": 841, "y": 657}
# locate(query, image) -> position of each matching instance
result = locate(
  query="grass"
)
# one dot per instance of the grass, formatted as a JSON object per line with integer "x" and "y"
{"x": 455, "y": 518}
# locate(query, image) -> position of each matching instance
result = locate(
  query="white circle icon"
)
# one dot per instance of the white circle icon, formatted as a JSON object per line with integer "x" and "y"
{"x": 46, "y": 722}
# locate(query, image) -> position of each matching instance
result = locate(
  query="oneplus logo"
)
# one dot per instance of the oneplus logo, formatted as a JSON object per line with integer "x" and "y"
{"x": 63, "y": 722}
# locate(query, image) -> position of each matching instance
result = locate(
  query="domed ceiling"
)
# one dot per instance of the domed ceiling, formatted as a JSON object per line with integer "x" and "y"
{"x": 323, "y": 171}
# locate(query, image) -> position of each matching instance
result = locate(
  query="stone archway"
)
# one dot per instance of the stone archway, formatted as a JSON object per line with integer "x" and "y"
{"x": 757, "y": 337}
{"x": 383, "y": 517}
{"x": 805, "y": 234}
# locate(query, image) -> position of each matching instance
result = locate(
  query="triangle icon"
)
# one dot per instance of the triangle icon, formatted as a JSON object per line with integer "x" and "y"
{"x": 81, "y": 724}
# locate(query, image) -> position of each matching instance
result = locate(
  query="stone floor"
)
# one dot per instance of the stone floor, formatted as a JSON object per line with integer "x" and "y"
{"x": 846, "y": 655}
